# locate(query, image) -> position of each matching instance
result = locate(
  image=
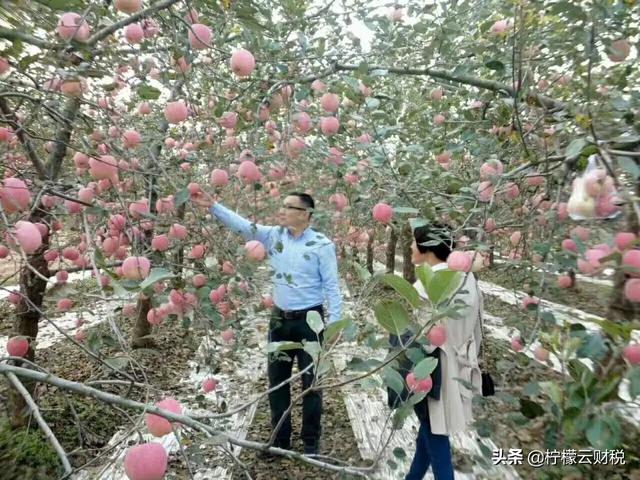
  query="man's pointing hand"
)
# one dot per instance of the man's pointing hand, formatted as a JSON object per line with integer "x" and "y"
{"x": 203, "y": 199}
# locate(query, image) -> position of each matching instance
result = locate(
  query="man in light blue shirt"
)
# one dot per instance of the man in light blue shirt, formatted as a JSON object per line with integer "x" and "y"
{"x": 305, "y": 272}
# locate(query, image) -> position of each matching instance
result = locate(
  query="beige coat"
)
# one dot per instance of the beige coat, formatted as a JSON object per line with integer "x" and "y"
{"x": 459, "y": 359}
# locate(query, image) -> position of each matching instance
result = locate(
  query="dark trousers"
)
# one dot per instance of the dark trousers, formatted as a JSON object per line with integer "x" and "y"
{"x": 279, "y": 369}
{"x": 431, "y": 450}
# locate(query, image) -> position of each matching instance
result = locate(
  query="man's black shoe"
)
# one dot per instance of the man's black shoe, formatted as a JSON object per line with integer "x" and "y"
{"x": 312, "y": 448}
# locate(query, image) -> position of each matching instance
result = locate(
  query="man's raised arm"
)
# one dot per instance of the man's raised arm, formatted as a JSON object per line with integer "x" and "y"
{"x": 235, "y": 222}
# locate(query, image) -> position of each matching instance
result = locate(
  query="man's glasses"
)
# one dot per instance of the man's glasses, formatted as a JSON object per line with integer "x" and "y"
{"x": 291, "y": 207}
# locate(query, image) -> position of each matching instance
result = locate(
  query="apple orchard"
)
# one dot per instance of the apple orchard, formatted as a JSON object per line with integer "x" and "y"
{"x": 517, "y": 123}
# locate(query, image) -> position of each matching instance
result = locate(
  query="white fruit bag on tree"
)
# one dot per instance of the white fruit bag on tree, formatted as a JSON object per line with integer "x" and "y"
{"x": 593, "y": 195}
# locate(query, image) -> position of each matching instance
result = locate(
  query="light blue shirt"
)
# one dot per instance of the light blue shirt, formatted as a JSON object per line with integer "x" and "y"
{"x": 305, "y": 269}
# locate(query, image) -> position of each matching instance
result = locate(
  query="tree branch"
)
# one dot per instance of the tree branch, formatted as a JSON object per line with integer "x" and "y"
{"x": 493, "y": 85}
{"x": 63, "y": 136}
{"x": 17, "y": 384}
{"x": 31, "y": 153}
{"x": 11, "y": 35}
{"x": 112, "y": 399}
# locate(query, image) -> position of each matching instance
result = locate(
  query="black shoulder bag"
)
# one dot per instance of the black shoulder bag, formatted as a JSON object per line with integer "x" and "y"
{"x": 488, "y": 387}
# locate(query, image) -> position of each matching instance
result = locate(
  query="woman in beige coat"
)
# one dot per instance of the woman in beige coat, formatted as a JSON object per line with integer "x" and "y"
{"x": 458, "y": 359}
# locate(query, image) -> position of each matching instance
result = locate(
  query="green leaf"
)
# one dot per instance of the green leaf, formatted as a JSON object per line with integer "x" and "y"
{"x": 606, "y": 390}
{"x": 369, "y": 384}
{"x": 592, "y": 346}
{"x": 634, "y": 382}
{"x": 393, "y": 379}
{"x": 96, "y": 211}
{"x": 400, "y": 415}
{"x": 484, "y": 428}
{"x": 425, "y": 368}
{"x": 353, "y": 83}
{"x": 302, "y": 93}
{"x": 417, "y": 222}
{"x": 399, "y": 453}
{"x": 313, "y": 349}
{"x": 117, "y": 362}
{"x": 404, "y": 288}
{"x": 181, "y": 197}
{"x": 118, "y": 289}
{"x": 351, "y": 332}
{"x": 359, "y": 365}
{"x": 372, "y": 103}
{"x": 94, "y": 342}
{"x": 98, "y": 257}
{"x": 406, "y": 210}
{"x": 531, "y": 389}
{"x": 147, "y": 92}
{"x": 548, "y": 317}
{"x": 603, "y": 433}
{"x": 620, "y": 104}
{"x": 335, "y": 327}
{"x": 415, "y": 355}
{"x": 362, "y": 272}
{"x": 187, "y": 320}
{"x": 530, "y": 409}
{"x": 424, "y": 274}
{"x": 156, "y": 275}
{"x": 495, "y": 65}
{"x": 630, "y": 166}
{"x": 416, "y": 398}
{"x": 314, "y": 320}
{"x": 282, "y": 346}
{"x": 442, "y": 285}
{"x": 625, "y": 139}
{"x": 324, "y": 365}
{"x": 612, "y": 329}
{"x": 392, "y": 316}
{"x": 574, "y": 148}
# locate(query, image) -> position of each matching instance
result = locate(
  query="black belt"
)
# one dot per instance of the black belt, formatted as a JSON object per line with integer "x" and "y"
{"x": 296, "y": 314}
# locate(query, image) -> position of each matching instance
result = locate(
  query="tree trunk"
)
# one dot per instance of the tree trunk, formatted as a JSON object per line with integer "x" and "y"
{"x": 178, "y": 257}
{"x": 370, "y": 251}
{"x": 408, "y": 270}
{"x": 140, "y": 337}
{"x": 391, "y": 251}
{"x": 619, "y": 307}
{"x": 32, "y": 287}
{"x": 142, "y": 328}
{"x": 27, "y": 316}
